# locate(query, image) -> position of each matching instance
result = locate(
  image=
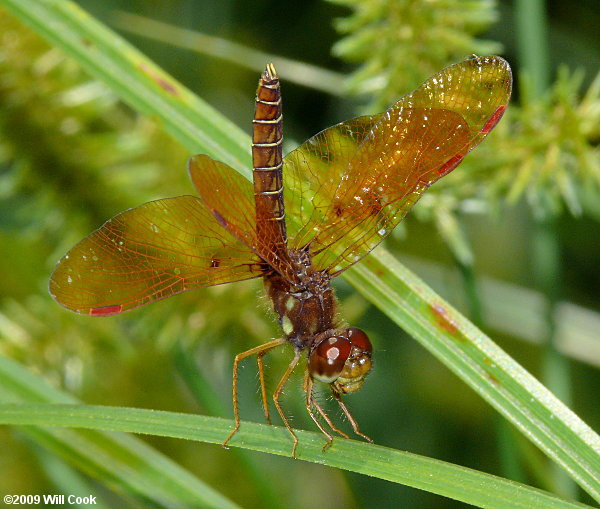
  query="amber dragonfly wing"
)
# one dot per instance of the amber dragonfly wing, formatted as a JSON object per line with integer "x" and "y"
{"x": 355, "y": 181}
{"x": 148, "y": 253}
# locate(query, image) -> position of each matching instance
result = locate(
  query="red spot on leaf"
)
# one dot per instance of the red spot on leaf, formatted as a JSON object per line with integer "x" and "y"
{"x": 161, "y": 81}
{"x": 490, "y": 362}
{"x": 443, "y": 318}
{"x": 165, "y": 85}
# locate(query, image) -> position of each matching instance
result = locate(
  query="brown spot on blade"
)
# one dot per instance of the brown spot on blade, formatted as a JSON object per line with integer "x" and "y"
{"x": 443, "y": 318}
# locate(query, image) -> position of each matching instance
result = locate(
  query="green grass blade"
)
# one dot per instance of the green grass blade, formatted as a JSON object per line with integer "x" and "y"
{"x": 202, "y": 388}
{"x": 435, "y": 476}
{"x": 66, "y": 479}
{"x": 294, "y": 71}
{"x": 484, "y": 366}
{"x": 121, "y": 461}
{"x": 407, "y": 300}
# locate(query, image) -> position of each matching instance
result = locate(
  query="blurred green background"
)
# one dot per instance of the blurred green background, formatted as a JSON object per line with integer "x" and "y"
{"x": 512, "y": 238}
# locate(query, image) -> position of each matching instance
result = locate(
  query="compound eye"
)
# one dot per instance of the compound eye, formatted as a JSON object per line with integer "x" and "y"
{"x": 359, "y": 339}
{"x": 358, "y": 364}
{"x": 327, "y": 359}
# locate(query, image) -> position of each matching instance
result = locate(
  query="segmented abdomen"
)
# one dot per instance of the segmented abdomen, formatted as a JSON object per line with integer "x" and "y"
{"x": 267, "y": 138}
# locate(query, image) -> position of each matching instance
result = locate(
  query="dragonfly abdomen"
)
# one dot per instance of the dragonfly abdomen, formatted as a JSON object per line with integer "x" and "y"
{"x": 267, "y": 138}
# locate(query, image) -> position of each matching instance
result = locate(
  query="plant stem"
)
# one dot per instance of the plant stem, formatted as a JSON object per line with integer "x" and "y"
{"x": 532, "y": 38}
{"x": 508, "y": 453}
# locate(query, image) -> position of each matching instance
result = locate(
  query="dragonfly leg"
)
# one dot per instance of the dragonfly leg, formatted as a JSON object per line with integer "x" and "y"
{"x": 277, "y": 394}
{"x": 310, "y": 402}
{"x": 263, "y": 388}
{"x": 351, "y": 419}
{"x": 259, "y": 351}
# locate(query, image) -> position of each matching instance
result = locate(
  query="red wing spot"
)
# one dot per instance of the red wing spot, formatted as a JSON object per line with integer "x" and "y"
{"x": 443, "y": 318}
{"x": 451, "y": 164}
{"x": 215, "y": 262}
{"x": 494, "y": 119}
{"x": 106, "y": 310}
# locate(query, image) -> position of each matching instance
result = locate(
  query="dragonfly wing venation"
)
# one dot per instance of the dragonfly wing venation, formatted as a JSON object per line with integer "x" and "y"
{"x": 227, "y": 195}
{"x": 148, "y": 253}
{"x": 312, "y": 172}
{"x": 367, "y": 172}
{"x": 230, "y": 198}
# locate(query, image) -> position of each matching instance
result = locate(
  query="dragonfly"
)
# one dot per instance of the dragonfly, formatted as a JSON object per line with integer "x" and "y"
{"x": 306, "y": 218}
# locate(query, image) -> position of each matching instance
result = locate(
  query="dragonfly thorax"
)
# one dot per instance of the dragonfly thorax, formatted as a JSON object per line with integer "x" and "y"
{"x": 306, "y": 307}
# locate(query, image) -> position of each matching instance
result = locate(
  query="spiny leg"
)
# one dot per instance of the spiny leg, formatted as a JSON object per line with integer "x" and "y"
{"x": 263, "y": 388}
{"x": 354, "y": 424}
{"x": 310, "y": 400}
{"x": 277, "y": 393}
{"x": 308, "y": 383}
{"x": 258, "y": 350}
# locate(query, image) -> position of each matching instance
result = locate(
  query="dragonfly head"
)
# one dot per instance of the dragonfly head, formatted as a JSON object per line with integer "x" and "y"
{"x": 342, "y": 360}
